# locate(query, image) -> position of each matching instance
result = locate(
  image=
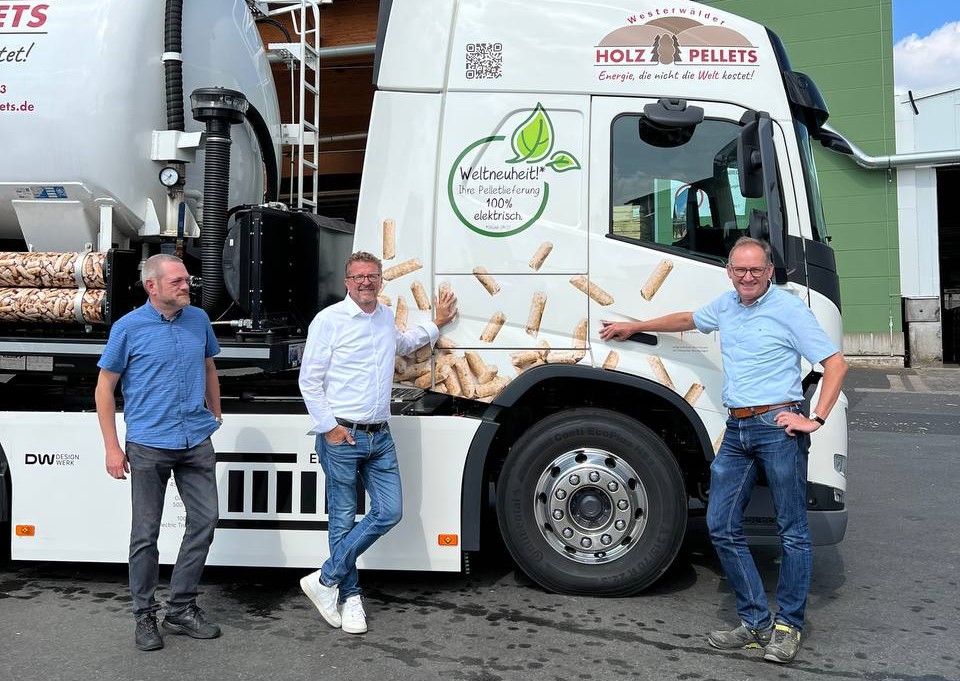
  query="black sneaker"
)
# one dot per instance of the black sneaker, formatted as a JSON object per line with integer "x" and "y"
{"x": 191, "y": 621}
{"x": 147, "y": 636}
{"x": 740, "y": 638}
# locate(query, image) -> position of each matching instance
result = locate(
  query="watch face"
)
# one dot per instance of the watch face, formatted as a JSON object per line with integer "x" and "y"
{"x": 169, "y": 176}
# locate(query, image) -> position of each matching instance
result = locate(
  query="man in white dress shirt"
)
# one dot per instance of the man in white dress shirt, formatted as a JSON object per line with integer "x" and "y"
{"x": 345, "y": 377}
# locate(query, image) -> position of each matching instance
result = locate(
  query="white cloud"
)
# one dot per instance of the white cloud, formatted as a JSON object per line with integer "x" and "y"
{"x": 928, "y": 63}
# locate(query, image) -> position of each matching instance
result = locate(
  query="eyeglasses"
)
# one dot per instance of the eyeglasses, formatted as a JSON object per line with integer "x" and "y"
{"x": 757, "y": 272}
{"x": 360, "y": 278}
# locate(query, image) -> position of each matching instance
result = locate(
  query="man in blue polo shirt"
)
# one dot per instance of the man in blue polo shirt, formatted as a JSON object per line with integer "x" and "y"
{"x": 764, "y": 331}
{"x": 162, "y": 355}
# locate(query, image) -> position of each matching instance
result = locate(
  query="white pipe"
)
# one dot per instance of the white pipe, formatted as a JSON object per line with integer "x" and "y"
{"x": 913, "y": 159}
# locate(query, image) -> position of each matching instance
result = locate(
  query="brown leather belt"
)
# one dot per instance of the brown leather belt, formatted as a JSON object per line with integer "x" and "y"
{"x": 747, "y": 412}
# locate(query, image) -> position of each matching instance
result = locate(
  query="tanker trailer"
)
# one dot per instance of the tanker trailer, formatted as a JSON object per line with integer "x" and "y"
{"x": 128, "y": 128}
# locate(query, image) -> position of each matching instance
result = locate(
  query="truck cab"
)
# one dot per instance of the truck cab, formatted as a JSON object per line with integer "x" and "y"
{"x": 556, "y": 163}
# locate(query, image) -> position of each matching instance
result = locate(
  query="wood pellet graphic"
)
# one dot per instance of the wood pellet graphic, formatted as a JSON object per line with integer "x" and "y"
{"x": 693, "y": 394}
{"x": 579, "y": 337}
{"x": 466, "y": 375}
{"x": 401, "y": 268}
{"x": 540, "y": 255}
{"x": 524, "y": 359}
{"x": 597, "y": 294}
{"x": 467, "y": 383}
{"x": 420, "y": 296}
{"x": 537, "y": 305}
{"x": 486, "y": 280}
{"x": 660, "y": 372}
{"x": 493, "y": 327}
{"x": 656, "y": 279}
{"x": 389, "y": 239}
{"x": 483, "y": 371}
{"x": 719, "y": 440}
{"x": 400, "y": 320}
{"x": 612, "y": 360}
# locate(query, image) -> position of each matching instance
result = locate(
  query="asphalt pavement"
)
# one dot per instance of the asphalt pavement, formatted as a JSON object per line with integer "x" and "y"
{"x": 882, "y": 603}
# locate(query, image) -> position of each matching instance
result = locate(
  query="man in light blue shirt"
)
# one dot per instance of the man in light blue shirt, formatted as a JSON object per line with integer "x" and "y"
{"x": 161, "y": 354}
{"x": 764, "y": 331}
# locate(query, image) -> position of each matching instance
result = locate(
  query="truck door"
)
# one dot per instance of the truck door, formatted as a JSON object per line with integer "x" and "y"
{"x": 511, "y": 226}
{"x": 665, "y": 209}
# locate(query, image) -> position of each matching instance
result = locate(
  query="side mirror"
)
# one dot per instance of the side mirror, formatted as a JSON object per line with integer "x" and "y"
{"x": 759, "y": 177}
{"x": 749, "y": 163}
{"x": 833, "y": 141}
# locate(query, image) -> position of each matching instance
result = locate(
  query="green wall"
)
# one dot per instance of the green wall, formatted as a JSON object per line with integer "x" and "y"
{"x": 846, "y": 46}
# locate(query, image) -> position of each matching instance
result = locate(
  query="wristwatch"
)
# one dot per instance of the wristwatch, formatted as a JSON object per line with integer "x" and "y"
{"x": 814, "y": 417}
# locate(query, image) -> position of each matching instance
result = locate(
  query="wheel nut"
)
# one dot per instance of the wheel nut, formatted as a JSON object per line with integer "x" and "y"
{"x": 613, "y": 486}
{"x": 620, "y": 525}
{"x": 574, "y": 479}
{"x": 586, "y": 542}
{"x": 561, "y": 494}
{"x": 623, "y": 504}
{"x": 557, "y": 514}
{"x": 567, "y": 532}
{"x": 594, "y": 476}
{"x": 606, "y": 539}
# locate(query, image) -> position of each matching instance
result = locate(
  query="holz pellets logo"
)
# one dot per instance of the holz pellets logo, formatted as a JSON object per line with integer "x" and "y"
{"x": 498, "y": 191}
{"x": 674, "y": 38}
{"x": 51, "y": 459}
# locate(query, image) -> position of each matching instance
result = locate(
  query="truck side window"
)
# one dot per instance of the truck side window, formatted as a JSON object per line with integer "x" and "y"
{"x": 680, "y": 194}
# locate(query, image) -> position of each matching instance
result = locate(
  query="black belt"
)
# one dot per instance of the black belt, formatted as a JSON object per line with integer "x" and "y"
{"x": 368, "y": 427}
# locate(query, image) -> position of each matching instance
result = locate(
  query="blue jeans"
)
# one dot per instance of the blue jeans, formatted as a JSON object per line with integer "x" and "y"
{"x": 373, "y": 459}
{"x": 194, "y": 471}
{"x": 749, "y": 446}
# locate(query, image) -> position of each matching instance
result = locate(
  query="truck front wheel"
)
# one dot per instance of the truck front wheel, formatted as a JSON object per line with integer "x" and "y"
{"x": 591, "y": 502}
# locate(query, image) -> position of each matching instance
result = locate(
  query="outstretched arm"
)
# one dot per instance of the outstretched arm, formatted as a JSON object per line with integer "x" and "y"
{"x": 675, "y": 321}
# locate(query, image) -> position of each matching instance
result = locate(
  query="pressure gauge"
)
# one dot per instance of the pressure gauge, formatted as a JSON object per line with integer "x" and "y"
{"x": 169, "y": 176}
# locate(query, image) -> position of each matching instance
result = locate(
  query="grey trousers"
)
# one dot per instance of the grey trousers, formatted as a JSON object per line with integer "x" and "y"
{"x": 194, "y": 474}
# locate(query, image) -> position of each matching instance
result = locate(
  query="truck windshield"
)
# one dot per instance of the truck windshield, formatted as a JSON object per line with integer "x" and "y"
{"x": 680, "y": 194}
{"x": 818, "y": 223}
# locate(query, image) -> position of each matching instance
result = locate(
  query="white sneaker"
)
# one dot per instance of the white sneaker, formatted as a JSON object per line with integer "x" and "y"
{"x": 353, "y": 617}
{"x": 324, "y": 597}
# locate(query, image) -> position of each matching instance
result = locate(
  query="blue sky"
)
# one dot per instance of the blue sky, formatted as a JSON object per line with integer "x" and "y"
{"x": 926, "y": 44}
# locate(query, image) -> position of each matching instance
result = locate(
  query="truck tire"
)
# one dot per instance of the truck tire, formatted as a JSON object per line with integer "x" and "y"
{"x": 591, "y": 502}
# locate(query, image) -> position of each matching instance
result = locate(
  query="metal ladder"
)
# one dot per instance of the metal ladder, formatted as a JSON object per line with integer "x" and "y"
{"x": 302, "y": 135}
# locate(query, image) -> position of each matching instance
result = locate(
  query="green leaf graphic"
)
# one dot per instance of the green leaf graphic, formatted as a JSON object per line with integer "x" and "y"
{"x": 533, "y": 139}
{"x": 562, "y": 161}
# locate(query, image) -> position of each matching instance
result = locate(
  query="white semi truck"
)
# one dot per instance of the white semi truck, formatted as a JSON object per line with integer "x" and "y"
{"x": 555, "y": 162}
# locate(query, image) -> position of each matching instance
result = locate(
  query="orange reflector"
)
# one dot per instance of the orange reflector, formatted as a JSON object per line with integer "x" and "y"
{"x": 26, "y": 530}
{"x": 448, "y": 539}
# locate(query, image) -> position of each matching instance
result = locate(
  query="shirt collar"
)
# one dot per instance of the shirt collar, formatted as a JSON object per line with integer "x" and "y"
{"x": 156, "y": 314}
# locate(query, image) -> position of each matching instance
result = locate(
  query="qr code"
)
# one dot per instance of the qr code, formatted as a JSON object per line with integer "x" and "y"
{"x": 484, "y": 60}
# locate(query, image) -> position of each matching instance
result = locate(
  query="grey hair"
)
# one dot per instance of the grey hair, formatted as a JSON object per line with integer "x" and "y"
{"x": 153, "y": 264}
{"x": 362, "y": 256}
{"x": 750, "y": 241}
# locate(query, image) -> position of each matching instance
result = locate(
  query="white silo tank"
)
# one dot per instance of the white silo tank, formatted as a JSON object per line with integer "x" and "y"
{"x": 82, "y": 97}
